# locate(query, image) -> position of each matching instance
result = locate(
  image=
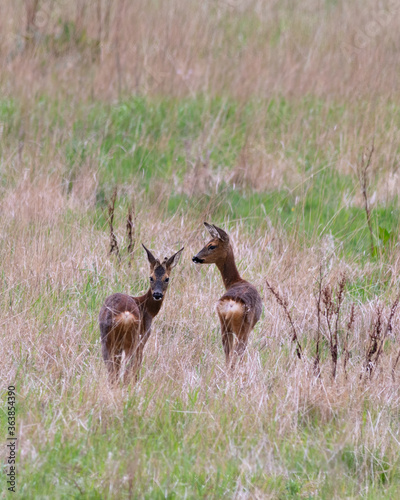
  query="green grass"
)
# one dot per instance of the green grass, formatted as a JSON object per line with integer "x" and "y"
{"x": 144, "y": 141}
{"x": 321, "y": 212}
{"x": 181, "y": 445}
{"x": 152, "y": 134}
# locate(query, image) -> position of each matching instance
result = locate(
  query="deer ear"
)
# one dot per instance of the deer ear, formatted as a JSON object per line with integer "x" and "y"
{"x": 212, "y": 230}
{"x": 173, "y": 261}
{"x": 217, "y": 232}
{"x": 150, "y": 256}
{"x": 222, "y": 235}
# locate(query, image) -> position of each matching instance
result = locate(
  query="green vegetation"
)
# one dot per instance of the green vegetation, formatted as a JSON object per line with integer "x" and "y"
{"x": 145, "y": 142}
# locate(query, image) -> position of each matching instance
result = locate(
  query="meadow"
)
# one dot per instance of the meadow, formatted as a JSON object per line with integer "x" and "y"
{"x": 267, "y": 118}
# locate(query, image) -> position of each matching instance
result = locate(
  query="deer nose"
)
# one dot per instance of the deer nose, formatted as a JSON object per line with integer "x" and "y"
{"x": 157, "y": 296}
{"x": 196, "y": 260}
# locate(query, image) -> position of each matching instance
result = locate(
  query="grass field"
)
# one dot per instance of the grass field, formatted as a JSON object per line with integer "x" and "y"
{"x": 251, "y": 115}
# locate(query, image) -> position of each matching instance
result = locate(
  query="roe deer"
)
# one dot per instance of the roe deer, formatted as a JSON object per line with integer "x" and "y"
{"x": 125, "y": 321}
{"x": 240, "y": 307}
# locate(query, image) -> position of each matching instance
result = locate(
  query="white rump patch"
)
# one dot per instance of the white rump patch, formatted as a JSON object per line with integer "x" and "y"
{"x": 126, "y": 318}
{"x": 229, "y": 308}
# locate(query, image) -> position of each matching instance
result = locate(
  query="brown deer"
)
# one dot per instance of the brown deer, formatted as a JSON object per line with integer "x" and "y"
{"x": 240, "y": 307}
{"x": 125, "y": 321}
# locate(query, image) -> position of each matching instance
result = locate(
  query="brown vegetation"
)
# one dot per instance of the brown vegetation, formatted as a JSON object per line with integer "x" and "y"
{"x": 175, "y": 47}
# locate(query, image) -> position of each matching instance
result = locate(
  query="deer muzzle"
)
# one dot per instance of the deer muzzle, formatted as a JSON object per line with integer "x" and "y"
{"x": 157, "y": 296}
{"x": 197, "y": 260}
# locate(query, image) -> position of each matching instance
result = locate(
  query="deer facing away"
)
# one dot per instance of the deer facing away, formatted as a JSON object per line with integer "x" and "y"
{"x": 125, "y": 321}
{"x": 240, "y": 307}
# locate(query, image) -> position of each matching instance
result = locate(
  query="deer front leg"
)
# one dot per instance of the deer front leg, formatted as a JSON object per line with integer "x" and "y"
{"x": 139, "y": 352}
{"x": 139, "y": 361}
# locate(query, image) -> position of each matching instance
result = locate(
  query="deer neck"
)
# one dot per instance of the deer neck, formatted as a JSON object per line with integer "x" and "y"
{"x": 149, "y": 305}
{"x": 227, "y": 267}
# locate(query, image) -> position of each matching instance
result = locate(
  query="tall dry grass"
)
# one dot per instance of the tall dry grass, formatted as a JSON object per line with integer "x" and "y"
{"x": 104, "y": 49}
{"x": 56, "y": 271}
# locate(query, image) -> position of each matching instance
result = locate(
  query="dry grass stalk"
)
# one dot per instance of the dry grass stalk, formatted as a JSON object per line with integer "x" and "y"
{"x": 99, "y": 20}
{"x": 389, "y": 325}
{"x": 373, "y": 340}
{"x": 339, "y": 302}
{"x": 80, "y": 15}
{"x": 317, "y": 369}
{"x": 331, "y": 312}
{"x": 107, "y": 16}
{"x": 327, "y": 301}
{"x": 366, "y": 158}
{"x": 117, "y": 46}
{"x": 31, "y": 7}
{"x": 284, "y": 304}
{"x": 130, "y": 231}
{"x": 349, "y": 330}
{"x": 395, "y": 365}
{"x": 113, "y": 239}
{"x": 377, "y": 338}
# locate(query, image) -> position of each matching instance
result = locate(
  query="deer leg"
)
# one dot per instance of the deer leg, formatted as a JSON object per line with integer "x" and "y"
{"x": 107, "y": 357}
{"x": 133, "y": 360}
{"x": 110, "y": 349}
{"x": 227, "y": 342}
{"x": 112, "y": 359}
{"x": 139, "y": 361}
{"x": 240, "y": 345}
{"x": 238, "y": 352}
{"x": 133, "y": 367}
{"x": 117, "y": 360}
{"x": 141, "y": 343}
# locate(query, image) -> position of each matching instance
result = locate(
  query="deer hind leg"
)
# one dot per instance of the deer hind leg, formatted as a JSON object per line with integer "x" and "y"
{"x": 240, "y": 348}
{"x": 227, "y": 342}
{"x": 110, "y": 350}
{"x": 242, "y": 331}
{"x": 227, "y": 336}
{"x": 133, "y": 359}
{"x": 112, "y": 359}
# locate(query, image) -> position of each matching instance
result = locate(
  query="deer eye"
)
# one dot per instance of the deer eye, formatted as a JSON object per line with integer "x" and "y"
{"x": 166, "y": 280}
{"x": 151, "y": 279}
{"x": 212, "y": 247}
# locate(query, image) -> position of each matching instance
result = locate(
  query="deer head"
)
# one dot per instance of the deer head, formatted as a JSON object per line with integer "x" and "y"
{"x": 160, "y": 271}
{"x": 216, "y": 249}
